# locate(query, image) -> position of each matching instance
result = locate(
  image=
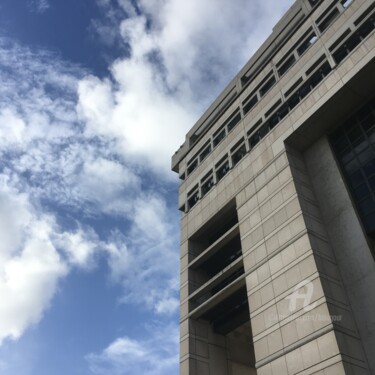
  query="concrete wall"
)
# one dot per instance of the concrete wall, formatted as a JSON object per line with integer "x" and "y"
{"x": 347, "y": 239}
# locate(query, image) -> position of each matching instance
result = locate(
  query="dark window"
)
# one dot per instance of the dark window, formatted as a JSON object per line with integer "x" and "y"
{"x": 339, "y": 39}
{"x": 250, "y": 104}
{"x": 354, "y": 40}
{"x": 293, "y": 87}
{"x": 323, "y": 25}
{"x": 205, "y": 153}
{"x": 305, "y": 45}
{"x": 192, "y": 165}
{"x": 286, "y": 65}
{"x": 259, "y": 122}
{"x": 258, "y": 135}
{"x": 312, "y": 82}
{"x": 273, "y": 121}
{"x": 355, "y": 151}
{"x": 282, "y": 111}
{"x": 267, "y": 86}
{"x": 315, "y": 65}
{"x": 313, "y": 3}
{"x": 273, "y": 108}
{"x": 233, "y": 121}
{"x": 207, "y": 185}
{"x": 364, "y": 14}
{"x": 193, "y": 198}
{"x": 238, "y": 154}
{"x": 366, "y": 28}
{"x": 219, "y": 136}
{"x": 222, "y": 170}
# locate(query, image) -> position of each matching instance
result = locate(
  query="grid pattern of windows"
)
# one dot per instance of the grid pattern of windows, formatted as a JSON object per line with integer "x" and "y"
{"x": 354, "y": 147}
{"x": 366, "y": 24}
{"x": 276, "y": 113}
{"x": 339, "y": 51}
{"x": 218, "y": 136}
{"x": 363, "y": 25}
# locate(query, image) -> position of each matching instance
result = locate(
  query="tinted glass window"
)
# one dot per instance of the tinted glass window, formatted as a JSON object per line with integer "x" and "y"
{"x": 354, "y": 147}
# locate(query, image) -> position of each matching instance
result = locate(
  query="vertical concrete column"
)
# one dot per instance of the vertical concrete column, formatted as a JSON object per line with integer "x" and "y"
{"x": 348, "y": 240}
{"x": 295, "y": 291}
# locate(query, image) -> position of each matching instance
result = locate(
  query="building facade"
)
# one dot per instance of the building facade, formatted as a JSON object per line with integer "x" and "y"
{"x": 277, "y": 197}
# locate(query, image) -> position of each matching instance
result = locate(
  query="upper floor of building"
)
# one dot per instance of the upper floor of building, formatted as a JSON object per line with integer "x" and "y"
{"x": 311, "y": 40}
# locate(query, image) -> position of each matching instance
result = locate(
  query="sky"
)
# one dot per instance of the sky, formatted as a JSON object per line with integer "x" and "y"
{"x": 95, "y": 97}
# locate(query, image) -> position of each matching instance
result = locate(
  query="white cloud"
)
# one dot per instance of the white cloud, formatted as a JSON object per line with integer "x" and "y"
{"x": 108, "y": 183}
{"x": 79, "y": 246}
{"x": 30, "y": 266}
{"x": 147, "y": 267}
{"x": 39, "y": 6}
{"x": 12, "y": 130}
{"x": 35, "y": 253}
{"x": 156, "y": 355}
{"x": 179, "y": 62}
{"x": 167, "y": 306}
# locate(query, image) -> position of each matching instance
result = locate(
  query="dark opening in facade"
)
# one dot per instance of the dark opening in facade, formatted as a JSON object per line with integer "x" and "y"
{"x": 354, "y": 147}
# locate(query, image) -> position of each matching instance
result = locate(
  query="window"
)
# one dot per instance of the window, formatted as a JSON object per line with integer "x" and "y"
{"x": 219, "y": 136}
{"x": 354, "y": 146}
{"x": 207, "y": 183}
{"x": 314, "y": 79}
{"x": 364, "y": 14}
{"x": 267, "y": 86}
{"x": 222, "y": 168}
{"x": 255, "y": 126}
{"x": 206, "y": 151}
{"x": 293, "y": 87}
{"x": 348, "y": 45}
{"x": 192, "y": 164}
{"x": 233, "y": 120}
{"x": 286, "y": 65}
{"x": 339, "y": 39}
{"x": 331, "y": 16}
{"x": 301, "y": 46}
{"x": 267, "y": 114}
{"x": 193, "y": 197}
{"x": 307, "y": 43}
{"x": 313, "y": 3}
{"x": 238, "y": 151}
{"x": 249, "y": 104}
{"x": 258, "y": 135}
{"x": 315, "y": 65}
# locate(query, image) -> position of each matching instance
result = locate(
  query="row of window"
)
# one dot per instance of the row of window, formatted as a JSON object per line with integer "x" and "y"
{"x": 217, "y": 137}
{"x": 310, "y": 37}
{"x": 298, "y": 49}
{"x": 316, "y": 73}
{"x": 222, "y": 167}
{"x": 348, "y": 41}
{"x": 284, "y": 109}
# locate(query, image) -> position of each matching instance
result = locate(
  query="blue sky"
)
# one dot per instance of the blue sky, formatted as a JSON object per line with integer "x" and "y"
{"x": 95, "y": 97}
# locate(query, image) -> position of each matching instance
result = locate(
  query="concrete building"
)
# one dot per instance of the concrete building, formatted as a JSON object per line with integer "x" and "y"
{"x": 278, "y": 205}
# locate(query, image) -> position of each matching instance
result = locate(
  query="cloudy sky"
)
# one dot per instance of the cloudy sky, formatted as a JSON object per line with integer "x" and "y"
{"x": 95, "y": 97}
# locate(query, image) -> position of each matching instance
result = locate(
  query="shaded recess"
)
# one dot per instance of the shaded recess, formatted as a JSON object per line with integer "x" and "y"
{"x": 217, "y": 289}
